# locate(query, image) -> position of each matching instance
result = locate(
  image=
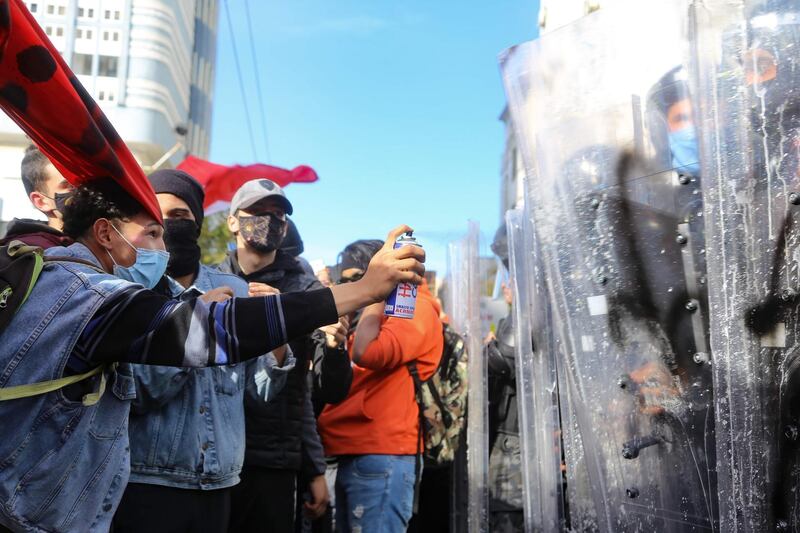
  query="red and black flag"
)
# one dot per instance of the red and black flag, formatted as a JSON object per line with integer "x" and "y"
{"x": 42, "y": 95}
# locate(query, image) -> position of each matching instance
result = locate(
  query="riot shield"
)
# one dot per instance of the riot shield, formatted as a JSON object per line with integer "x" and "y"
{"x": 749, "y": 100}
{"x": 537, "y": 397}
{"x": 472, "y": 492}
{"x": 618, "y": 217}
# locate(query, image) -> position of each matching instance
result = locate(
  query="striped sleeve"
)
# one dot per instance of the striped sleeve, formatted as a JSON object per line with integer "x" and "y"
{"x": 140, "y": 326}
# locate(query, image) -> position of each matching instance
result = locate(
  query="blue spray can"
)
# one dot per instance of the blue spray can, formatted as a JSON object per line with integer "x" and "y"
{"x": 402, "y": 301}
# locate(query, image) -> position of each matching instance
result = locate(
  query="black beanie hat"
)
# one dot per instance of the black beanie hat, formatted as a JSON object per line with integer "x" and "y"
{"x": 183, "y": 186}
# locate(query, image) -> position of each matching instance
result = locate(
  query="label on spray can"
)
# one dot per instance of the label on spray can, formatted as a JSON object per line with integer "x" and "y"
{"x": 403, "y": 300}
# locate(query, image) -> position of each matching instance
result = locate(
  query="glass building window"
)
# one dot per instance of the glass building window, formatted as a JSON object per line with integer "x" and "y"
{"x": 51, "y": 9}
{"x": 107, "y": 66}
{"x": 34, "y": 7}
{"x": 82, "y": 63}
{"x": 59, "y": 31}
{"x": 117, "y": 15}
{"x": 62, "y": 10}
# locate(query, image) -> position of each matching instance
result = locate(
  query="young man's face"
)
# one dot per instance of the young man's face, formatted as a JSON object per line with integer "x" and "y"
{"x": 141, "y": 231}
{"x": 679, "y": 115}
{"x": 173, "y": 207}
{"x": 44, "y": 200}
{"x": 267, "y": 206}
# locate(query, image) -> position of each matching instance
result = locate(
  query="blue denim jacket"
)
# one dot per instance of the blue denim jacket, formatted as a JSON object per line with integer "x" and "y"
{"x": 63, "y": 465}
{"x": 187, "y": 425}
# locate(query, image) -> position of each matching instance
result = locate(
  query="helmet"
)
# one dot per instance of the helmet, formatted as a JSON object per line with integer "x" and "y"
{"x": 500, "y": 244}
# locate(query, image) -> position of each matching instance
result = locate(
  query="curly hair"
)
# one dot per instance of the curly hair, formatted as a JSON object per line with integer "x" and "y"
{"x": 100, "y": 199}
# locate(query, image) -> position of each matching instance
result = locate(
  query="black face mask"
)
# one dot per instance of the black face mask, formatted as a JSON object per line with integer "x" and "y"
{"x": 180, "y": 236}
{"x": 61, "y": 200}
{"x": 263, "y": 233}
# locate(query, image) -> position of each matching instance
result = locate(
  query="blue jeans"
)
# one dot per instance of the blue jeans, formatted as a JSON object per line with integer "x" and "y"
{"x": 374, "y": 493}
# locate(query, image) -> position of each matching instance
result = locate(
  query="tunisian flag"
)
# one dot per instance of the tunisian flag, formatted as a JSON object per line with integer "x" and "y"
{"x": 221, "y": 182}
{"x": 42, "y": 95}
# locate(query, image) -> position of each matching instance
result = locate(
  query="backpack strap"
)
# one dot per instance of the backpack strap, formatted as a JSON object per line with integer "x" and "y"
{"x": 43, "y": 387}
{"x": 412, "y": 369}
{"x": 18, "y": 248}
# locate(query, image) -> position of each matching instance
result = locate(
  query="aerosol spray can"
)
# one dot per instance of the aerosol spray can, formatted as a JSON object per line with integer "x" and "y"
{"x": 403, "y": 300}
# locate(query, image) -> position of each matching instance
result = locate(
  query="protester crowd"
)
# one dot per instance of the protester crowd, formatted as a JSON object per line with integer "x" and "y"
{"x": 144, "y": 391}
{"x": 151, "y": 392}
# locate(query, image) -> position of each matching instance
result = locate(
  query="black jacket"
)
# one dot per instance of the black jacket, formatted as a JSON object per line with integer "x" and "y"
{"x": 502, "y": 381}
{"x": 34, "y": 233}
{"x": 282, "y": 434}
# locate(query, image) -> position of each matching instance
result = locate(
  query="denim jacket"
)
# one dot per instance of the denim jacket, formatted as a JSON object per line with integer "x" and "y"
{"x": 63, "y": 465}
{"x": 187, "y": 425}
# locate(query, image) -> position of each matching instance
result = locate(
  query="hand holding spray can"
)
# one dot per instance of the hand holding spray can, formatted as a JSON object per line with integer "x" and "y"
{"x": 402, "y": 301}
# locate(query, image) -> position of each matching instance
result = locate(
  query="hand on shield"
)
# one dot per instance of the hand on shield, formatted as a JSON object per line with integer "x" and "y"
{"x": 655, "y": 387}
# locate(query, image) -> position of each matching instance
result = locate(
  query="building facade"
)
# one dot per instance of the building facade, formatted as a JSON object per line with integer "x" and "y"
{"x": 149, "y": 64}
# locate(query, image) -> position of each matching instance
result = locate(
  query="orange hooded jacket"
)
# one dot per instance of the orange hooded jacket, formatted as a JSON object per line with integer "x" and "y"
{"x": 380, "y": 415}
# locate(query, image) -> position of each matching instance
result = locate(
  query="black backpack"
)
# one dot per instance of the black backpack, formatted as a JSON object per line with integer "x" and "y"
{"x": 20, "y": 266}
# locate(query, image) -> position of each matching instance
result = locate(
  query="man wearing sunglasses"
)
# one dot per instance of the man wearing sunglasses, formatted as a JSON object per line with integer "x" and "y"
{"x": 283, "y": 450}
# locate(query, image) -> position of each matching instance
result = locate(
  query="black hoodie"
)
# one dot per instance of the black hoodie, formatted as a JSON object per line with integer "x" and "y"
{"x": 274, "y": 431}
{"x": 34, "y": 233}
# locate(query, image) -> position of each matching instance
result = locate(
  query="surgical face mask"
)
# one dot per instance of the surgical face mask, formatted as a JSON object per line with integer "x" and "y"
{"x": 263, "y": 233}
{"x": 180, "y": 236}
{"x": 683, "y": 146}
{"x": 148, "y": 268}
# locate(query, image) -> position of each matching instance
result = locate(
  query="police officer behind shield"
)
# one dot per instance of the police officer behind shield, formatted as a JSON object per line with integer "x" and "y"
{"x": 505, "y": 472}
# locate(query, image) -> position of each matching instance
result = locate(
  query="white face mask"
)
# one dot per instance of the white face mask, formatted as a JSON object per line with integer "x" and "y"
{"x": 147, "y": 270}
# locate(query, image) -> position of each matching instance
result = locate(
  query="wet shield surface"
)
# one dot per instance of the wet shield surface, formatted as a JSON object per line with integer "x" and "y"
{"x": 537, "y": 389}
{"x": 749, "y": 100}
{"x": 472, "y": 468}
{"x": 605, "y": 116}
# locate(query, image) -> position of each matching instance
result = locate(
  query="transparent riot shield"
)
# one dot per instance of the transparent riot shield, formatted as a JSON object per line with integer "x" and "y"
{"x": 748, "y": 57}
{"x": 617, "y": 214}
{"x": 472, "y": 492}
{"x": 537, "y": 398}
